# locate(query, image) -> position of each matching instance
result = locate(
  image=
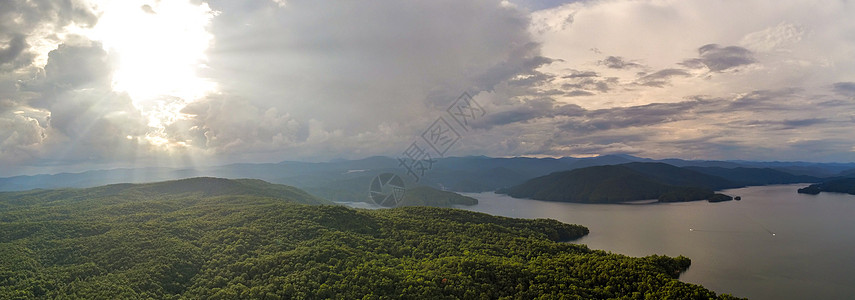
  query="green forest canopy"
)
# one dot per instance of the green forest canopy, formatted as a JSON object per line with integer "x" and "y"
{"x": 225, "y": 239}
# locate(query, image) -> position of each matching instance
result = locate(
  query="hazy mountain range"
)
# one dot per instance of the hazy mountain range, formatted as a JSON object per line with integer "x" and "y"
{"x": 348, "y": 180}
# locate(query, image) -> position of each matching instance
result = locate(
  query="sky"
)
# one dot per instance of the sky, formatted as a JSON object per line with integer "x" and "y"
{"x": 113, "y": 84}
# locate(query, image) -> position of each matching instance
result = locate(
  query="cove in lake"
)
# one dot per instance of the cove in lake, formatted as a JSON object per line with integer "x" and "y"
{"x": 774, "y": 244}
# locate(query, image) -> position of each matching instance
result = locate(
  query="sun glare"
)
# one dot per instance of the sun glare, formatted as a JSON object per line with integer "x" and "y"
{"x": 160, "y": 48}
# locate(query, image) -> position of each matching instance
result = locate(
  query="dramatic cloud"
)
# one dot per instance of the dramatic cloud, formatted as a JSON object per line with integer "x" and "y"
{"x": 527, "y": 111}
{"x": 20, "y": 136}
{"x": 41, "y": 23}
{"x": 718, "y": 59}
{"x": 581, "y": 74}
{"x": 788, "y": 124}
{"x": 590, "y": 83}
{"x": 660, "y": 78}
{"x": 221, "y": 124}
{"x": 356, "y": 68}
{"x": 91, "y": 83}
{"x": 16, "y": 46}
{"x": 637, "y": 116}
{"x": 617, "y": 62}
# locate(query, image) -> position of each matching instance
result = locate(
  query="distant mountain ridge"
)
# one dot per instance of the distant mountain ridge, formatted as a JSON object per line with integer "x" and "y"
{"x": 348, "y": 180}
{"x": 205, "y": 187}
{"x": 755, "y": 176}
{"x": 677, "y": 176}
{"x": 621, "y": 183}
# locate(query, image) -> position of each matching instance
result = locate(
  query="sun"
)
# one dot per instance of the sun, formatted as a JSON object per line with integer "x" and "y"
{"x": 160, "y": 49}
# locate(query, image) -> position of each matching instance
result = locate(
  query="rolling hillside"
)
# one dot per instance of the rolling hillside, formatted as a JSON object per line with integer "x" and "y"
{"x": 620, "y": 183}
{"x": 209, "y": 238}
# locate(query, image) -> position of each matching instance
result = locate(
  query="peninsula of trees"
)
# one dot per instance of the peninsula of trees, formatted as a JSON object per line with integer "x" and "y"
{"x": 842, "y": 185}
{"x": 624, "y": 182}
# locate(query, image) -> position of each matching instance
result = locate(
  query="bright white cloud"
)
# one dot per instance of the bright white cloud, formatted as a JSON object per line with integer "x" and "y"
{"x": 160, "y": 47}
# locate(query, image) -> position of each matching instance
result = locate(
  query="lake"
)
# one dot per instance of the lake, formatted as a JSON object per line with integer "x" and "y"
{"x": 773, "y": 244}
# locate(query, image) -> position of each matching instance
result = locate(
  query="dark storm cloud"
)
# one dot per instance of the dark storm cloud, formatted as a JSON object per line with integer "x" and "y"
{"x": 634, "y": 116}
{"x": 787, "y": 124}
{"x": 835, "y": 103}
{"x": 15, "y": 47}
{"x": 591, "y": 84}
{"x": 19, "y": 19}
{"x": 617, "y": 62}
{"x": 844, "y": 88}
{"x": 354, "y": 66}
{"x": 527, "y": 111}
{"x": 521, "y": 73}
{"x": 532, "y": 79}
{"x": 580, "y": 74}
{"x": 661, "y": 78}
{"x": 583, "y": 82}
{"x": 19, "y": 16}
{"x": 765, "y": 99}
{"x": 717, "y": 59}
{"x": 803, "y": 122}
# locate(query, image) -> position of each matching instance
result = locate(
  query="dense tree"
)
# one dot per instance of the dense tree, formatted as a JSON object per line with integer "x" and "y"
{"x": 840, "y": 185}
{"x": 621, "y": 183}
{"x": 242, "y": 241}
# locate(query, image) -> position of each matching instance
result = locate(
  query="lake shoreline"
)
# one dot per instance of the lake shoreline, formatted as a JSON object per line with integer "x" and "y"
{"x": 731, "y": 248}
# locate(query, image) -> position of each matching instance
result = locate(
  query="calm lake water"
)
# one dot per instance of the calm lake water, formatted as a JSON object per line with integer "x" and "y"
{"x": 733, "y": 250}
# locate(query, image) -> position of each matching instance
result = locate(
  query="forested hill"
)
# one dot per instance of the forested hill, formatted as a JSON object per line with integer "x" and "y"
{"x": 191, "y": 187}
{"x": 755, "y": 176}
{"x": 678, "y": 176}
{"x": 202, "y": 239}
{"x": 625, "y": 182}
{"x": 842, "y": 185}
{"x": 427, "y": 196}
